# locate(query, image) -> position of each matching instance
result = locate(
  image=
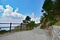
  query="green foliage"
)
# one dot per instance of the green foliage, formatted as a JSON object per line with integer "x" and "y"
{"x": 32, "y": 24}
{"x": 47, "y": 5}
{"x": 52, "y": 21}
{"x": 24, "y": 21}
{"x": 41, "y": 20}
{"x": 27, "y": 19}
{"x": 17, "y": 28}
{"x": 51, "y": 9}
{"x": 45, "y": 14}
{"x": 43, "y": 17}
{"x": 49, "y": 18}
{"x": 3, "y": 31}
{"x": 57, "y": 7}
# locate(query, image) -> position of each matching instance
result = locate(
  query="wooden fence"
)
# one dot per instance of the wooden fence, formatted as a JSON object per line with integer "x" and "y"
{"x": 9, "y": 26}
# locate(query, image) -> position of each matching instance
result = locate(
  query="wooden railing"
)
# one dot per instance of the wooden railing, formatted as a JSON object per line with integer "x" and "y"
{"x": 9, "y": 26}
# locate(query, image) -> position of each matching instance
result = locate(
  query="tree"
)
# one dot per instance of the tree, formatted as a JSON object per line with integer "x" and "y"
{"x": 52, "y": 8}
{"x": 24, "y": 21}
{"x": 43, "y": 17}
{"x": 32, "y": 24}
{"x": 27, "y": 18}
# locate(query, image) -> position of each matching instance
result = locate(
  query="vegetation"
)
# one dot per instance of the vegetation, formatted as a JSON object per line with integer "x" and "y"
{"x": 3, "y": 31}
{"x": 17, "y": 28}
{"x": 48, "y": 5}
{"x": 51, "y": 8}
{"x": 27, "y": 18}
{"x": 28, "y": 23}
{"x": 31, "y": 25}
{"x": 57, "y": 23}
{"x": 43, "y": 18}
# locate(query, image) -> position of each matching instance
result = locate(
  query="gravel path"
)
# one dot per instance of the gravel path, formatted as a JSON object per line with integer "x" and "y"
{"x": 26, "y": 35}
{"x": 35, "y": 34}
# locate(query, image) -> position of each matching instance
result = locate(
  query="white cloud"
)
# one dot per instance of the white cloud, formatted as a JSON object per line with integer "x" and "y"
{"x": 33, "y": 18}
{"x": 1, "y": 8}
{"x": 8, "y": 20}
{"x": 9, "y": 12}
{"x": 9, "y": 15}
{"x": 37, "y": 20}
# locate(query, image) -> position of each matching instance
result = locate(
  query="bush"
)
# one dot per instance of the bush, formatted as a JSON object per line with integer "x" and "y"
{"x": 31, "y": 25}
{"x": 57, "y": 23}
{"x": 3, "y": 31}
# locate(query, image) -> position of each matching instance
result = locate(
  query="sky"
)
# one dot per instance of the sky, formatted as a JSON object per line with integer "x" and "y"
{"x": 17, "y": 10}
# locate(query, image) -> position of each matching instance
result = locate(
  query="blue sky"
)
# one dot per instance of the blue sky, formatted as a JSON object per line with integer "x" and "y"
{"x": 20, "y": 8}
{"x": 16, "y": 10}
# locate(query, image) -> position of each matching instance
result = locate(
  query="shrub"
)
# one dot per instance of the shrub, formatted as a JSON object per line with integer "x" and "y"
{"x": 3, "y": 31}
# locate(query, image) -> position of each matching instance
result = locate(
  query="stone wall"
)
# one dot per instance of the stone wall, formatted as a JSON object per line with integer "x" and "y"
{"x": 56, "y": 32}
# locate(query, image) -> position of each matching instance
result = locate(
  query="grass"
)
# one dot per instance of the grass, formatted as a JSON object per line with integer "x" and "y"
{"x": 58, "y": 23}
{"x": 3, "y": 31}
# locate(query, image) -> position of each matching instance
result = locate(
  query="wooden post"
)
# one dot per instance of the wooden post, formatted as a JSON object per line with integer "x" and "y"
{"x": 21, "y": 27}
{"x": 10, "y": 26}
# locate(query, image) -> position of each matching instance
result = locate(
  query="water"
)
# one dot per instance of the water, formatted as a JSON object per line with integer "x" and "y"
{"x": 7, "y": 26}
{"x": 7, "y": 29}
